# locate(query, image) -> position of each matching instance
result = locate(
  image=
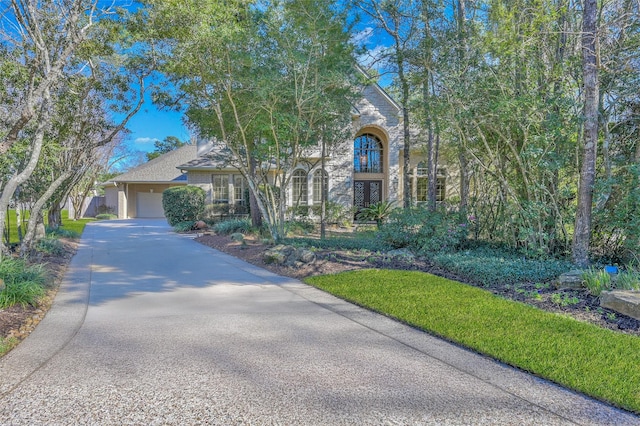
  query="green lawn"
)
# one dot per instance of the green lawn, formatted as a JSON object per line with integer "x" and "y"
{"x": 76, "y": 226}
{"x": 598, "y": 362}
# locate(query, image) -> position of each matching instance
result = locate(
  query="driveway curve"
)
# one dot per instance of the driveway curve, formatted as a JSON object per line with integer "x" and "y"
{"x": 151, "y": 328}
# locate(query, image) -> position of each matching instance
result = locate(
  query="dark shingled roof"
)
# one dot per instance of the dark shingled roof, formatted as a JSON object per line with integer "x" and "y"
{"x": 161, "y": 169}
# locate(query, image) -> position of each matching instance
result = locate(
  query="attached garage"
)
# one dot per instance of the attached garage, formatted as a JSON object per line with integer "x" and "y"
{"x": 149, "y": 205}
{"x": 138, "y": 192}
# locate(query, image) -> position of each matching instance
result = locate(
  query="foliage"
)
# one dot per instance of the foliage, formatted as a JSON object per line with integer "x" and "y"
{"x": 24, "y": 284}
{"x": 231, "y": 226}
{"x": 628, "y": 280}
{"x": 378, "y": 212}
{"x": 186, "y": 226}
{"x": 335, "y": 213}
{"x": 487, "y": 266}
{"x": 423, "y": 231}
{"x": 572, "y": 353}
{"x": 365, "y": 242}
{"x": 266, "y": 82}
{"x": 64, "y": 233}
{"x": 596, "y": 280}
{"x": 7, "y": 343}
{"x": 183, "y": 203}
{"x": 299, "y": 227}
{"x": 50, "y": 245}
{"x": 164, "y": 146}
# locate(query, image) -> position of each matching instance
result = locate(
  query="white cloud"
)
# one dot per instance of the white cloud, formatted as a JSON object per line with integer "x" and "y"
{"x": 145, "y": 141}
{"x": 362, "y": 37}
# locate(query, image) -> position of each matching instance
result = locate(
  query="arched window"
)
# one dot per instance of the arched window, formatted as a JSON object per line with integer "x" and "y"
{"x": 318, "y": 186}
{"x": 367, "y": 154}
{"x": 300, "y": 191}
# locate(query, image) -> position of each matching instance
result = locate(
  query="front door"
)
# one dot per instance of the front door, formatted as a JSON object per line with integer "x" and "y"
{"x": 366, "y": 192}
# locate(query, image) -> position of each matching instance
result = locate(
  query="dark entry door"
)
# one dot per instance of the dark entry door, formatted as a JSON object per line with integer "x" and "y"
{"x": 366, "y": 192}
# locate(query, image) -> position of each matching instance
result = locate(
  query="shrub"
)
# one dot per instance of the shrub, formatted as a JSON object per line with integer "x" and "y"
{"x": 23, "y": 284}
{"x": 299, "y": 227}
{"x": 184, "y": 226}
{"x": 50, "y": 245}
{"x": 423, "y": 231}
{"x": 183, "y": 203}
{"x": 232, "y": 226}
{"x": 487, "y": 266}
{"x": 335, "y": 213}
{"x": 377, "y": 212}
{"x": 64, "y": 233}
{"x": 628, "y": 280}
{"x": 596, "y": 280}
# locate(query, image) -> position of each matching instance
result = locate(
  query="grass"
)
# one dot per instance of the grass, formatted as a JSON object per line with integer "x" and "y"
{"x": 577, "y": 355}
{"x": 73, "y": 226}
{"x": 6, "y": 344}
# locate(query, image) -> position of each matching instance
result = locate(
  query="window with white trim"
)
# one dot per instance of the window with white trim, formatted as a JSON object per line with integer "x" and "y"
{"x": 300, "y": 190}
{"x": 220, "y": 189}
{"x": 318, "y": 184}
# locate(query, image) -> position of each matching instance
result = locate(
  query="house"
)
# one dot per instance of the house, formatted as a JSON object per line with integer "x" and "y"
{"x": 361, "y": 171}
{"x": 138, "y": 192}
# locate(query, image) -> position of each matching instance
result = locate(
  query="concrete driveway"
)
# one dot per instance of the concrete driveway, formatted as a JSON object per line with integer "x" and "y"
{"x": 151, "y": 328}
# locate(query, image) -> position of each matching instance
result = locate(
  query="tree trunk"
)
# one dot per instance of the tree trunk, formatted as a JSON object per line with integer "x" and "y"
{"x": 19, "y": 178}
{"x": 36, "y": 214}
{"x": 582, "y": 233}
{"x": 256, "y": 216}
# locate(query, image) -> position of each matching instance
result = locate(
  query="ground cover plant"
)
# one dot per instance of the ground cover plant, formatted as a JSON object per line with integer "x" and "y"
{"x": 572, "y": 353}
{"x": 23, "y": 284}
{"x": 29, "y": 285}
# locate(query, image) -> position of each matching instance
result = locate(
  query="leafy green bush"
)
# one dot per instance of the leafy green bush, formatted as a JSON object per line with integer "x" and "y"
{"x": 377, "y": 212}
{"x": 232, "y": 226}
{"x": 487, "y": 266}
{"x": 423, "y": 231}
{"x": 596, "y": 280}
{"x": 184, "y": 226}
{"x": 50, "y": 245}
{"x": 23, "y": 284}
{"x": 299, "y": 227}
{"x": 628, "y": 280}
{"x": 64, "y": 233}
{"x": 334, "y": 213}
{"x": 183, "y": 203}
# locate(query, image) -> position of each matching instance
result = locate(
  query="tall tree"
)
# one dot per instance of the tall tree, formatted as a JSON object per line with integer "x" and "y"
{"x": 41, "y": 41}
{"x": 266, "y": 82}
{"x": 582, "y": 233}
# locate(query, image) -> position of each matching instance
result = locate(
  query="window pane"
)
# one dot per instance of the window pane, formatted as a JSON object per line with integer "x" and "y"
{"x": 299, "y": 182}
{"x": 220, "y": 192}
{"x": 367, "y": 154}
{"x": 317, "y": 187}
{"x": 239, "y": 189}
{"x": 423, "y": 189}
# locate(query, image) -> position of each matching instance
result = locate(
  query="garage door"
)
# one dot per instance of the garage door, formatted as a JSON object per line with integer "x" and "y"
{"x": 149, "y": 204}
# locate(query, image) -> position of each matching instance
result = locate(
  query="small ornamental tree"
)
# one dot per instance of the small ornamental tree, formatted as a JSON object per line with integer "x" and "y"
{"x": 183, "y": 204}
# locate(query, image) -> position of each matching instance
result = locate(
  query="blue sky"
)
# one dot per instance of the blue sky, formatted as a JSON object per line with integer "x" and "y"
{"x": 151, "y": 124}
